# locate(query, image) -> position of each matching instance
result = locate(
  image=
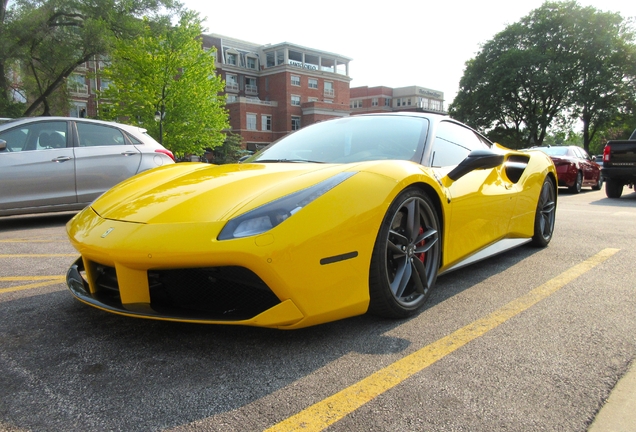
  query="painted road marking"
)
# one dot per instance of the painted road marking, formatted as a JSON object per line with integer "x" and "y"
{"x": 46, "y": 281}
{"x": 328, "y": 411}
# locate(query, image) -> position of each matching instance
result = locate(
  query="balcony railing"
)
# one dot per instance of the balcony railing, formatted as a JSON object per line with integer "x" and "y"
{"x": 251, "y": 89}
{"x": 231, "y": 87}
{"x": 329, "y": 92}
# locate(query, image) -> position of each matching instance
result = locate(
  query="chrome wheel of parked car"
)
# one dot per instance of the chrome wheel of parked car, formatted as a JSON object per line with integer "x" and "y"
{"x": 545, "y": 215}
{"x": 578, "y": 183}
{"x": 406, "y": 256}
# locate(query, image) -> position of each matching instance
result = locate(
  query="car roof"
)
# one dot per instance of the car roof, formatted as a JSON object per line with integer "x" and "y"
{"x": 25, "y": 120}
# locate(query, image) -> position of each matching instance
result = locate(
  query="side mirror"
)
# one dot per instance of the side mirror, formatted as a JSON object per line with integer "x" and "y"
{"x": 3, "y": 145}
{"x": 476, "y": 159}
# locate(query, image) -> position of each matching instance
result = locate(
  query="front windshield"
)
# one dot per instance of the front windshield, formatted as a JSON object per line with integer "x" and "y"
{"x": 351, "y": 139}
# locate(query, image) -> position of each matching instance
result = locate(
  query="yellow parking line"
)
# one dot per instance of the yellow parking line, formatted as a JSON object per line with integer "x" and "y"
{"x": 328, "y": 411}
{"x": 48, "y": 280}
{"x": 36, "y": 255}
{"x": 34, "y": 240}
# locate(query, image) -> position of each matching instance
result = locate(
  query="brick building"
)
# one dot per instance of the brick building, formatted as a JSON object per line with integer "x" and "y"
{"x": 272, "y": 90}
{"x": 365, "y": 99}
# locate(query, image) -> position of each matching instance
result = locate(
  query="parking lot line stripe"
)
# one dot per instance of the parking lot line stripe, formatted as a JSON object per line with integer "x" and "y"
{"x": 51, "y": 280}
{"x": 36, "y": 255}
{"x": 328, "y": 411}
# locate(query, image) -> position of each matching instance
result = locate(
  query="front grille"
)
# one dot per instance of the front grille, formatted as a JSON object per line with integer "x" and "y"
{"x": 224, "y": 293}
{"x": 106, "y": 285}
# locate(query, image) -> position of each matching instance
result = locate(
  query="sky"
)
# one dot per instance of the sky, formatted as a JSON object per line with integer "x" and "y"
{"x": 394, "y": 43}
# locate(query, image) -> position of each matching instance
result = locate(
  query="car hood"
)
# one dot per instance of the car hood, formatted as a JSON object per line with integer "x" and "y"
{"x": 194, "y": 192}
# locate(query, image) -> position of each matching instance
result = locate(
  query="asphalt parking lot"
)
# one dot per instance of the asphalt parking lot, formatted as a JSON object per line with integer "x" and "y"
{"x": 534, "y": 339}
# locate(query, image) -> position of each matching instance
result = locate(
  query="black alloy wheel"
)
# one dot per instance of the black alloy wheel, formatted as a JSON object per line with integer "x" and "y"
{"x": 578, "y": 183}
{"x": 545, "y": 214}
{"x": 406, "y": 256}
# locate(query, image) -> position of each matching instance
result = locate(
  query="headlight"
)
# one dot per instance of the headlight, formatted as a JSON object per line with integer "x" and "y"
{"x": 268, "y": 216}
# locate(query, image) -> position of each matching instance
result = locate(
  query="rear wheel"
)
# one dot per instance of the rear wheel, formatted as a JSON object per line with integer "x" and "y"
{"x": 578, "y": 183}
{"x": 613, "y": 189}
{"x": 406, "y": 256}
{"x": 545, "y": 215}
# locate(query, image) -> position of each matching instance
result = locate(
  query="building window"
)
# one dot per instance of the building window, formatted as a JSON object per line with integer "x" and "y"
{"x": 250, "y": 85}
{"x": 269, "y": 59}
{"x": 295, "y": 80}
{"x": 251, "y": 63}
{"x": 295, "y": 100}
{"x": 387, "y": 102}
{"x": 409, "y": 102}
{"x": 313, "y": 99}
{"x": 230, "y": 98}
{"x": 231, "y": 83}
{"x": 266, "y": 122}
{"x": 230, "y": 59}
{"x": 356, "y": 103}
{"x": 313, "y": 83}
{"x": 295, "y": 123}
{"x": 329, "y": 89}
{"x": 374, "y": 102}
{"x": 280, "y": 57}
{"x": 77, "y": 84}
{"x": 251, "y": 122}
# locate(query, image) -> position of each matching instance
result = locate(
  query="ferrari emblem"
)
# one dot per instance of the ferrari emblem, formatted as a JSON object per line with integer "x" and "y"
{"x": 108, "y": 231}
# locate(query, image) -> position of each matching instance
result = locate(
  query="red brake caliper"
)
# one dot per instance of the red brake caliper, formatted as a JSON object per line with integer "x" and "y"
{"x": 421, "y": 256}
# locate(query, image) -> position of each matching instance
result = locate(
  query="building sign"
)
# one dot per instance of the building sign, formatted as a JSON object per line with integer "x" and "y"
{"x": 303, "y": 65}
{"x": 431, "y": 93}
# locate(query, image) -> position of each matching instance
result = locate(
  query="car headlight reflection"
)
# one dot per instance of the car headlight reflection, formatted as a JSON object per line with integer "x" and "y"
{"x": 268, "y": 216}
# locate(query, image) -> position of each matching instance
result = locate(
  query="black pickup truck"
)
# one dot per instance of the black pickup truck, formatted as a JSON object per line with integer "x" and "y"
{"x": 619, "y": 165}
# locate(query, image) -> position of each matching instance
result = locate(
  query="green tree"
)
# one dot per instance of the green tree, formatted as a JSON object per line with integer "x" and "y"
{"x": 43, "y": 41}
{"x": 561, "y": 62}
{"x": 230, "y": 151}
{"x": 165, "y": 73}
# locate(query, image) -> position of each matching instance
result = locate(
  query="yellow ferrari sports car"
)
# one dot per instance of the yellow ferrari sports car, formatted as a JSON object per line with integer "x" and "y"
{"x": 344, "y": 217}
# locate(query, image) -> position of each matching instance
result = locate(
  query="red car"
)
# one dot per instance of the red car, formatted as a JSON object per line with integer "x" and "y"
{"x": 575, "y": 168}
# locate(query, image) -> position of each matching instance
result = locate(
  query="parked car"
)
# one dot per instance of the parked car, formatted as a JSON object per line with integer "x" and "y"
{"x": 343, "y": 217}
{"x": 52, "y": 164}
{"x": 575, "y": 167}
{"x": 619, "y": 165}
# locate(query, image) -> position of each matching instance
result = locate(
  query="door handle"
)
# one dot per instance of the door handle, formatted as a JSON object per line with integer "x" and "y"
{"x": 61, "y": 159}
{"x": 129, "y": 153}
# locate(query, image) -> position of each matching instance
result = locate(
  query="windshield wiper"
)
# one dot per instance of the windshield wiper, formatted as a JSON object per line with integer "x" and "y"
{"x": 286, "y": 160}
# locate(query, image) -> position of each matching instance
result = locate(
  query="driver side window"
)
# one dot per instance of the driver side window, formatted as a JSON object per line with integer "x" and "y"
{"x": 452, "y": 144}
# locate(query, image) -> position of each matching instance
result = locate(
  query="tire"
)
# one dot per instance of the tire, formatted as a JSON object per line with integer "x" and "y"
{"x": 406, "y": 256}
{"x": 613, "y": 189}
{"x": 598, "y": 184}
{"x": 578, "y": 183}
{"x": 545, "y": 215}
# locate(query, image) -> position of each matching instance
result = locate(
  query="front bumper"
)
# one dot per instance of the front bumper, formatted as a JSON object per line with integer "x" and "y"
{"x": 172, "y": 298}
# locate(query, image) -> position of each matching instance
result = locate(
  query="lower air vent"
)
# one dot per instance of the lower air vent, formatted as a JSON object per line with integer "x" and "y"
{"x": 224, "y": 293}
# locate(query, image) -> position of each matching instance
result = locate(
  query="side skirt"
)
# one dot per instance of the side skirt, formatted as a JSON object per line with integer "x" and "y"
{"x": 493, "y": 249}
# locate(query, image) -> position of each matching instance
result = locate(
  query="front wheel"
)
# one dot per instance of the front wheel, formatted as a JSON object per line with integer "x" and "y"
{"x": 545, "y": 215}
{"x": 598, "y": 184}
{"x": 613, "y": 189}
{"x": 406, "y": 256}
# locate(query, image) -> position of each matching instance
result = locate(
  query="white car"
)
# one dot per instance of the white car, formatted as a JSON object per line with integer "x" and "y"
{"x": 50, "y": 164}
